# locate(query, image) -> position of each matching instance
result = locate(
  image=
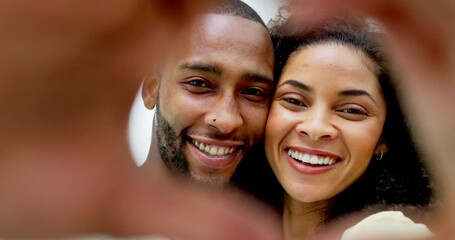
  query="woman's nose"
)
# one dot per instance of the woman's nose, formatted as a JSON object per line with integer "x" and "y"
{"x": 316, "y": 125}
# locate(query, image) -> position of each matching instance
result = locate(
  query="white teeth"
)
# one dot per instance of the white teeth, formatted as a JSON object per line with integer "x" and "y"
{"x": 311, "y": 159}
{"x": 314, "y": 159}
{"x": 201, "y": 146}
{"x": 213, "y": 150}
{"x": 220, "y": 151}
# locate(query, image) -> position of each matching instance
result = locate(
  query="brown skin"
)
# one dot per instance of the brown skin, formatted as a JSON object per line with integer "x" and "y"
{"x": 236, "y": 94}
{"x": 422, "y": 44}
{"x": 68, "y": 78}
{"x": 324, "y": 120}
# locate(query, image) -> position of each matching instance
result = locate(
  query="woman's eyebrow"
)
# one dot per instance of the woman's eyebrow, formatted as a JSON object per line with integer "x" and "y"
{"x": 297, "y": 84}
{"x": 350, "y": 92}
{"x": 357, "y": 92}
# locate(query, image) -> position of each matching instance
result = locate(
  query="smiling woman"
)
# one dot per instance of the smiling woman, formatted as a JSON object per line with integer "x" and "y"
{"x": 335, "y": 136}
{"x": 327, "y": 124}
{"x": 69, "y": 72}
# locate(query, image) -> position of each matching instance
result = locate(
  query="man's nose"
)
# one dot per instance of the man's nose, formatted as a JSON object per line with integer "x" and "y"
{"x": 225, "y": 115}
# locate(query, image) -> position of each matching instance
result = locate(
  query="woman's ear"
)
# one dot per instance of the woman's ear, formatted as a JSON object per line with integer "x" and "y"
{"x": 150, "y": 90}
{"x": 381, "y": 148}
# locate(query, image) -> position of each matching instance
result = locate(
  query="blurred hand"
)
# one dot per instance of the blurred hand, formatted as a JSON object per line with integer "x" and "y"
{"x": 69, "y": 71}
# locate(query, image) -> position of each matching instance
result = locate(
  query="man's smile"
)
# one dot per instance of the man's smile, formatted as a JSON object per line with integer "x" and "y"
{"x": 213, "y": 149}
{"x": 214, "y": 153}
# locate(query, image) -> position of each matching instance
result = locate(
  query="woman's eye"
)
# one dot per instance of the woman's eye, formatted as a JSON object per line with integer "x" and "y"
{"x": 354, "y": 111}
{"x": 293, "y": 101}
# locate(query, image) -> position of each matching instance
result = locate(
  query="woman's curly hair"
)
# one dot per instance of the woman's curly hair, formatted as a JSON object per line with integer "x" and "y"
{"x": 399, "y": 177}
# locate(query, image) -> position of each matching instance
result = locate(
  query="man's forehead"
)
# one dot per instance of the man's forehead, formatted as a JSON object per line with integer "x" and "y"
{"x": 215, "y": 21}
{"x": 224, "y": 31}
{"x": 215, "y": 39}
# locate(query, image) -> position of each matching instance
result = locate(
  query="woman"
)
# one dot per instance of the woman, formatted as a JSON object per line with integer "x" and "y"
{"x": 335, "y": 137}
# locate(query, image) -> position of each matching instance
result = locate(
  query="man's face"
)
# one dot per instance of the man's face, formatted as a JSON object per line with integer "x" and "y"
{"x": 213, "y": 97}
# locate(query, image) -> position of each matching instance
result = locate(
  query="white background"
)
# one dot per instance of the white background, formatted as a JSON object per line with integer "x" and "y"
{"x": 140, "y": 123}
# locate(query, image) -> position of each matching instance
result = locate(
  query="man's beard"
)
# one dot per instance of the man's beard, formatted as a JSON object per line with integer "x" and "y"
{"x": 170, "y": 145}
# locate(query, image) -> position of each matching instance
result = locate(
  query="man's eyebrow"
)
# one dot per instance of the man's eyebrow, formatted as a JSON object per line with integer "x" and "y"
{"x": 297, "y": 84}
{"x": 357, "y": 92}
{"x": 256, "y": 77}
{"x": 203, "y": 67}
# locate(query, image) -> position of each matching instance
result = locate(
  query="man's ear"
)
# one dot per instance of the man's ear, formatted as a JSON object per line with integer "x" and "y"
{"x": 150, "y": 90}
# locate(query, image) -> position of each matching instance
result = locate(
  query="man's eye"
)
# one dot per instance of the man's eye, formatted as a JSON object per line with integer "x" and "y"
{"x": 197, "y": 83}
{"x": 254, "y": 92}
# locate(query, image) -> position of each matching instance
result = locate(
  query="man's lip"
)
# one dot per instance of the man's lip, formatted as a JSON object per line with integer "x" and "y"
{"x": 218, "y": 142}
{"x": 215, "y": 161}
{"x": 213, "y": 150}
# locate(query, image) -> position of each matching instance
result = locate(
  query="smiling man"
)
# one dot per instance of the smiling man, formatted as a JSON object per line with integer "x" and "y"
{"x": 212, "y": 95}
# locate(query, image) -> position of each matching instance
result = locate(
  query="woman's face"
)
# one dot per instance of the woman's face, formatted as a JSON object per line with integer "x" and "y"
{"x": 325, "y": 122}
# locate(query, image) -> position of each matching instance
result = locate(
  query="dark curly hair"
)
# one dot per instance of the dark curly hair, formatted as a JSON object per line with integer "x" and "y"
{"x": 399, "y": 177}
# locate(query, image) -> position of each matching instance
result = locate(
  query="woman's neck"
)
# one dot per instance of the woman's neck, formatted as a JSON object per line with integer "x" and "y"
{"x": 302, "y": 220}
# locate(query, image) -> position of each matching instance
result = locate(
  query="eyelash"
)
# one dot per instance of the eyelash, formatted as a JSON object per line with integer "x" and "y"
{"x": 293, "y": 101}
{"x": 259, "y": 92}
{"x": 254, "y": 94}
{"x": 350, "y": 110}
{"x": 197, "y": 83}
{"x": 355, "y": 111}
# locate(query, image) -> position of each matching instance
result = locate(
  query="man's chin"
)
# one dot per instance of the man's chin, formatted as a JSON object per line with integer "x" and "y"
{"x": 210, "y": 180}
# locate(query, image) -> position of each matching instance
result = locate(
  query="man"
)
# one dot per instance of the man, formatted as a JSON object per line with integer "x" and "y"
{"x": 212, "y": 95}
{"x": 50, "y": 158}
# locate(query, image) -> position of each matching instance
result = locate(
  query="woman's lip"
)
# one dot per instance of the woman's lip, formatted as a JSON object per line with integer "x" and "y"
{"x": 313, "y": 152}
{"x": 310, "y": 169}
